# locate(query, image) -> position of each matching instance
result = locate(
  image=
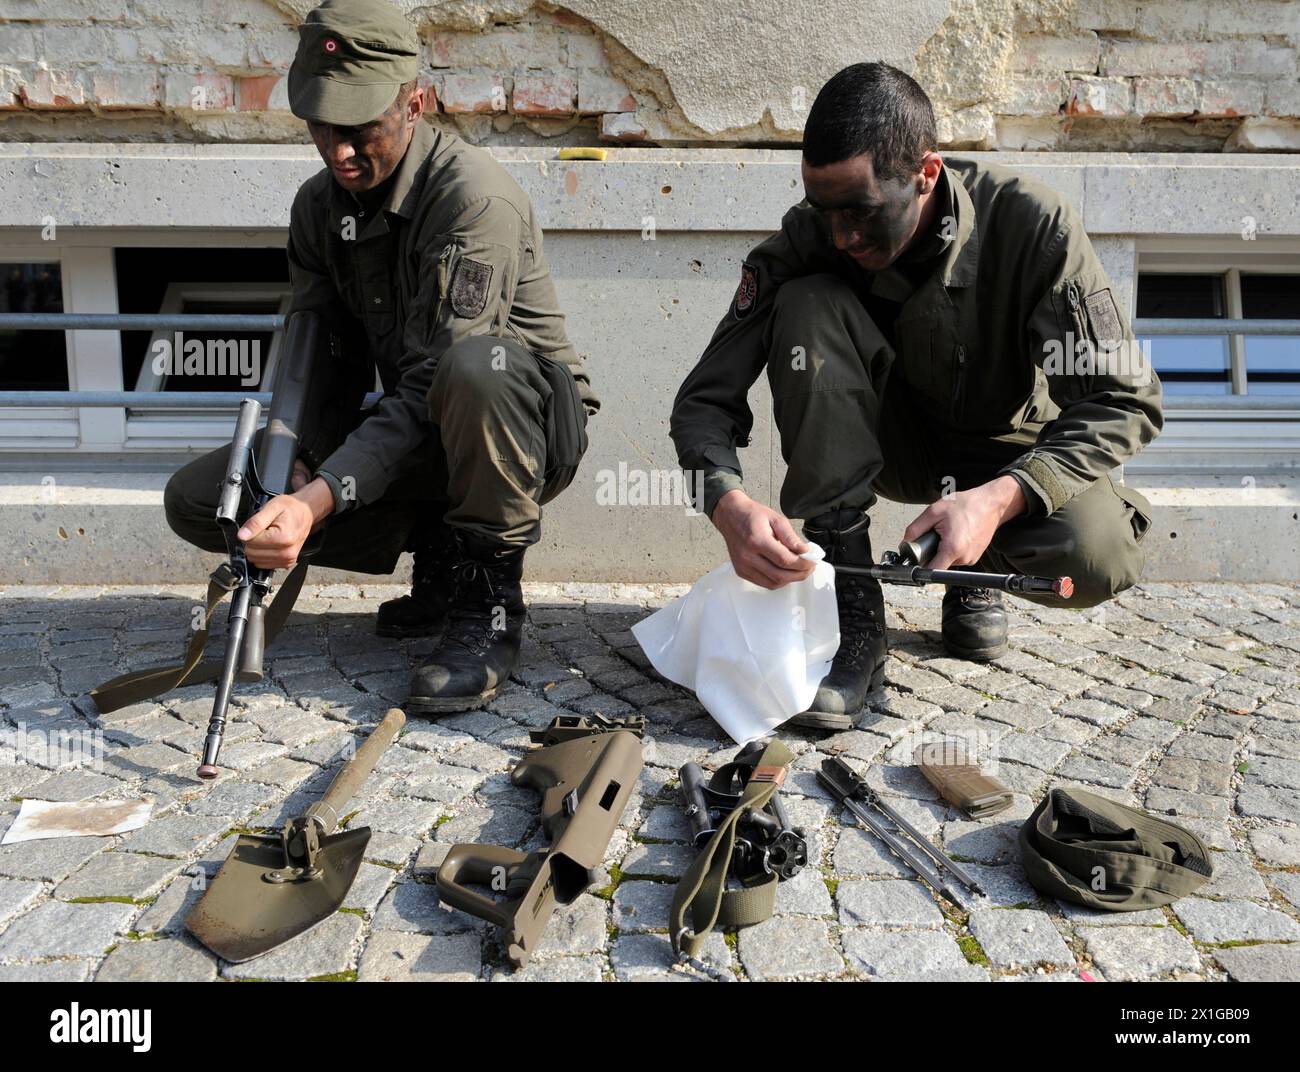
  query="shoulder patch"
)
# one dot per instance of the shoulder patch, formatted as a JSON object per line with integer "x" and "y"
{"x": 747, "y": 291}
{"x": 469, "y": 287}
{"x": 1103, "y": 318}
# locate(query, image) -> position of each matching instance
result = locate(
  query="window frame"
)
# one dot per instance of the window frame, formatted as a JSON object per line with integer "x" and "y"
{"x": 89, "y": 277}
{"x": 163, "y": 429}
{"x": 1235, "y": 432}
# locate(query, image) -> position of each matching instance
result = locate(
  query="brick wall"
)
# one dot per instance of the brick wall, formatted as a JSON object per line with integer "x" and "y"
{"x": 1014, "y": 74}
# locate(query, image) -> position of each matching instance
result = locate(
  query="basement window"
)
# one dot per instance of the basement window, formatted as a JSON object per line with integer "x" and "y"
{"x": 1223, "y": 364}
{"x": 1231, "y": 398}
{"x": 238, "y": 281}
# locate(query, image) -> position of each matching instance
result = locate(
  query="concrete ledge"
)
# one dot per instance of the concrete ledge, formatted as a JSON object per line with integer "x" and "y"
{"x": 252, "y": 186}
{"x": 102, "y": 528}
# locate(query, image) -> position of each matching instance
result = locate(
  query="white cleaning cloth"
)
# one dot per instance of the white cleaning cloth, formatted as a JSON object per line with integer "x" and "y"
{"x": 753, "y": 656}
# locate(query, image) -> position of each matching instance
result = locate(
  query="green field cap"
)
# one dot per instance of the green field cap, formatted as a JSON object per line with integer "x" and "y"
{"x": 352, "y": 57}
{"x": 1081, "y": 847}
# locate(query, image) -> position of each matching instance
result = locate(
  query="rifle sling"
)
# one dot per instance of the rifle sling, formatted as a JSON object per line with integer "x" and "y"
{"x": 702, "y": 891}
{"x": 145, "y": 684}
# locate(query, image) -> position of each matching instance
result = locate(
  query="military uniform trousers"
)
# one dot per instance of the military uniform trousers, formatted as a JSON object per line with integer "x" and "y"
{"x": 483, "y": 468}
{"x": 851, "y": 429}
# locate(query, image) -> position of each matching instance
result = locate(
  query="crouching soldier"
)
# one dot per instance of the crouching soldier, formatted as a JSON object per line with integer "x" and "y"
{"x": 939, "y": 334}
{"x": 425, "y": 259}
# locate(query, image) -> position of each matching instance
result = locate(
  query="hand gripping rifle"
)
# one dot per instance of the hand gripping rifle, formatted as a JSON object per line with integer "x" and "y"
{"x": 315, "y": 399}
{"x": 907, "y": 566}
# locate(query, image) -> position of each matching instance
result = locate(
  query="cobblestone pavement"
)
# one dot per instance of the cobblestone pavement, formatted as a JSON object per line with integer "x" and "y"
{"x": 1184, "y": 699}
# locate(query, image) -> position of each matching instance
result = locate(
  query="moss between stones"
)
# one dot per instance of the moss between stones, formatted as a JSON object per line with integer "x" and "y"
{"x": 107, "y": 900}
{"x": 972, "y": 950}
{"x": 606, "y": 893}
{"x": 349, "y": 976}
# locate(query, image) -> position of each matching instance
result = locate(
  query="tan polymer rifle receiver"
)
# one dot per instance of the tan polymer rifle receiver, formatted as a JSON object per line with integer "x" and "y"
{"x": 586, "y": 770}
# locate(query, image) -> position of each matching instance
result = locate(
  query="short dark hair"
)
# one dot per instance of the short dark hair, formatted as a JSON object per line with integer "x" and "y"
{"x": 871, "y": 108}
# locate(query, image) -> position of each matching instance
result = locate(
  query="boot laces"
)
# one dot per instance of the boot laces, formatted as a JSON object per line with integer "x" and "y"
{"x": 469, "y": 626}
{"x": 858, "y": 621}
{"x": 976, "y": 597}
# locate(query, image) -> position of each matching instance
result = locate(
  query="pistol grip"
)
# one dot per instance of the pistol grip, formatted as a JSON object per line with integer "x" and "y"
{"x": 919, "y": 551}
{"x": 484, "y": 865}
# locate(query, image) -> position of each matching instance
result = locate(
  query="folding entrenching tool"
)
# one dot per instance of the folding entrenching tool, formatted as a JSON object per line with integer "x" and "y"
{"x": 270, "y": 888}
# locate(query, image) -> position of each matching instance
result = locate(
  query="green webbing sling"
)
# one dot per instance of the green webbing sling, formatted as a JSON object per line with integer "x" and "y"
{"x": 702, "y": 891}
{"x": 126, "y": 689}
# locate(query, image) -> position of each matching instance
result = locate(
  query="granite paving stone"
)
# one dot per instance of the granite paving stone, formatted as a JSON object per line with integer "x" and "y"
{"x": 1019, "y": 938}
{"x": 1267, "y": 963}
{"x": 58, "y": 929}
{"x": 47, "y": 971}
{"x": 16, "y": 895}
{"x": 176, "y": 835}
{"x": 908, "y": 956}
{"x": 887, "y": 902}
{"x": 1128, "y": 953}
{"x": 1234, "y": 921}
{"x": 402, "y": 957}
{"x": 787, "y": 947}
{"x": 1278, "y": 846}
{"x": 118, "y": 874}
{"x": 174, "y": 960}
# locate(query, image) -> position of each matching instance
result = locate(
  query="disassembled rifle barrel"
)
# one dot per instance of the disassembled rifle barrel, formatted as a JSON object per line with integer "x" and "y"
{"x": 904, "y": 839}
{"x": 907, "y": 566}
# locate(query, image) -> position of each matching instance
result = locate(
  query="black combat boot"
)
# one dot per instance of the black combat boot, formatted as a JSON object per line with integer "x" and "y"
{"x": 424, "y": 611}
{"x": 859, "y": 664}
{"x": 485, "y": 623}
{"x": 974, "y": 624}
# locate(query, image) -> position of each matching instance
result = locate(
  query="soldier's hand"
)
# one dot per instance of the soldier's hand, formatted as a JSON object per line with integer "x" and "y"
{"x": 967, "y": 521}
{"x": 300, "y": 477}
{"x": 275, "y": 534}
{"x": 763, "y": 545}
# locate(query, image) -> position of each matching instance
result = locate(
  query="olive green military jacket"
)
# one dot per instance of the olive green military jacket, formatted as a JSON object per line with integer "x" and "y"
{"x": 1004, "y": 334}
{"x": 454, "y": 250}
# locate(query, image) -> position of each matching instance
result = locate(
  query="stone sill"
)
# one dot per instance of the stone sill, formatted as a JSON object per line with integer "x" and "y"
{"x": 108, "y": 528}
{"x": 151, "y": 186}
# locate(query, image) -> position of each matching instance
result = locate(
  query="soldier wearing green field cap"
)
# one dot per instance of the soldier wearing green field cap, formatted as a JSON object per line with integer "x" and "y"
{"x": 425, "y": 258}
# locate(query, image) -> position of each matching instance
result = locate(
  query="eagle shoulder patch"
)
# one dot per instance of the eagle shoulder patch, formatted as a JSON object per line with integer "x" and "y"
{"x": 1103, "y": 318}
{"x": 747, "y": 291}
{"x": 469, "y": 287}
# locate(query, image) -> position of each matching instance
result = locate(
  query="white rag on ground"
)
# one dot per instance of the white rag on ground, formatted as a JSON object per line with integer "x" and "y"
{"x": 753, "y": 656}
{"x": 39, "y": 819}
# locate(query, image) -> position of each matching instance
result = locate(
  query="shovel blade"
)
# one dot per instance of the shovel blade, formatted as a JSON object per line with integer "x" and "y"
{"x": 242, "y": 916}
